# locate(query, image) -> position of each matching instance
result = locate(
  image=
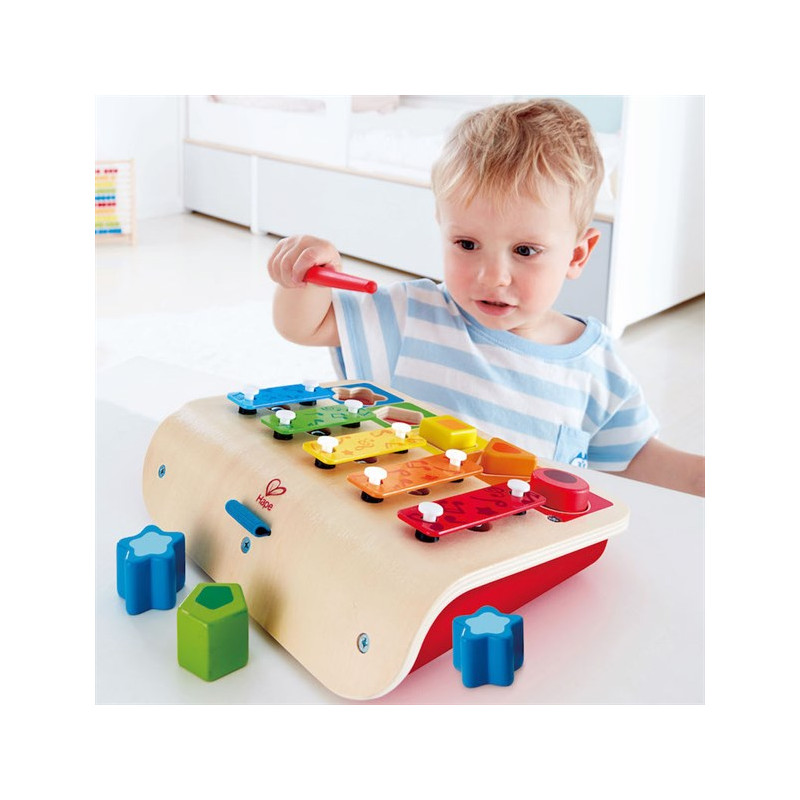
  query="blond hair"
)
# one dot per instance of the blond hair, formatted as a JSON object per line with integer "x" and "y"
{"x": 523, "y": 148}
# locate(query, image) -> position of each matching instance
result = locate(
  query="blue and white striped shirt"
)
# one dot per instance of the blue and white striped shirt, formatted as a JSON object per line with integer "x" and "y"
{"x": 575, "y": 403}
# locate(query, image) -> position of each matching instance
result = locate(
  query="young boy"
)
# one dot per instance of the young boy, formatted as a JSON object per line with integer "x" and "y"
{"x": 515, "y": 189}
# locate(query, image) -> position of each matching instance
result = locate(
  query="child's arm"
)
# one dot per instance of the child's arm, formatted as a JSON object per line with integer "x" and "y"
{"x": 662, "y": 465}
{"x": 303, "y": 312}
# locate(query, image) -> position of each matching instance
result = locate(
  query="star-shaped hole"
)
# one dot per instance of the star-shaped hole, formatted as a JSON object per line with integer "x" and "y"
{"x": 150, "y": 544}
{"x": 487, "y": 623}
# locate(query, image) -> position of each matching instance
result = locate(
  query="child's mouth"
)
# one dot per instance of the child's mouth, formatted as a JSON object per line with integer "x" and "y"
{"x": 494, "y": 307}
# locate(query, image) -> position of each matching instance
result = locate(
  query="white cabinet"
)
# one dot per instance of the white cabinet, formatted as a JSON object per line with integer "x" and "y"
{"x": 658, "y": 251}
{"x": 388, "y": 222}
{"x": 217, "y": 182}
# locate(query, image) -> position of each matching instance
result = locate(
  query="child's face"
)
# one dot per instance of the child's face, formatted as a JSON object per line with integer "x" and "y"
{"x": 507, "y": 268}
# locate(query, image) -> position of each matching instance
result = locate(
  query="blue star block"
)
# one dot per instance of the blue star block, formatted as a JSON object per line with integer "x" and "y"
{"x": 151, "y": 569}
{"x": 487, "y": 647}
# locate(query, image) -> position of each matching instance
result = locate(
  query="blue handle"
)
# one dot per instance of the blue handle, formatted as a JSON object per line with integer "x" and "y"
{"x": 247, "y": 519}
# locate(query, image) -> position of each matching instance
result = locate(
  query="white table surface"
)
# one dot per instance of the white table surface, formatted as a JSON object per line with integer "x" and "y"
{"x": 628, "y": 629}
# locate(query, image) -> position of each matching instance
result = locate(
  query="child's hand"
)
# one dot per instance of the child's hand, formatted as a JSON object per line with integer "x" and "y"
{"x": 295, "y": 255}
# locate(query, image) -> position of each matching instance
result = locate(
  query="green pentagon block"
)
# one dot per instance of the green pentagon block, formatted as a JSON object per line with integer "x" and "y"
{"x": 213, "y": 630}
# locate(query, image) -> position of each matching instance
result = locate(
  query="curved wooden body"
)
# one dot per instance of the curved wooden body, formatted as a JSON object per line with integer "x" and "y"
{"x": 342, "y": 584}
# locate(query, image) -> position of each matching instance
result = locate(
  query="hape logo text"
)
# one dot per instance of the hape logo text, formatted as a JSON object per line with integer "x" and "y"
{"x": 273, "y": 489}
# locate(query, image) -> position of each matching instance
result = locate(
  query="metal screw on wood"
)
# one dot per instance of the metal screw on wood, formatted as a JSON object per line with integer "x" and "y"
{"x": 246, "y": 545}
{"x": 363, "y": 642}
{"x": 553, "y": 519}
{"x": 162, "y": 471}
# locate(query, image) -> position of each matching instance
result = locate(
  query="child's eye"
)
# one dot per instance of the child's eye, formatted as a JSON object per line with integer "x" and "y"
{"x": 465, "y": 244}
{"x": 526, "y": 250}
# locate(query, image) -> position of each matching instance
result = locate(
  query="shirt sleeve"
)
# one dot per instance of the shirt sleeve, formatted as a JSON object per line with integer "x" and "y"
{"x": 369, "y": 327}
{"x": 631, "y": 425}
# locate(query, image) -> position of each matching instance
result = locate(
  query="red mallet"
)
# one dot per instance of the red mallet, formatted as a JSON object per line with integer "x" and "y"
{"x": 325, "y": 276}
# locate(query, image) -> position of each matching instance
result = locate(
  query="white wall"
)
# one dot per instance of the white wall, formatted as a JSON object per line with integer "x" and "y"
{"x": 658, "y": 256}
{"x": 149, "y": 130}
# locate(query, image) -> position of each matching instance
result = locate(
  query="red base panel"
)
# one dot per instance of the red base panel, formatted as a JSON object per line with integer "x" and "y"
{"x": 506, "y": 595}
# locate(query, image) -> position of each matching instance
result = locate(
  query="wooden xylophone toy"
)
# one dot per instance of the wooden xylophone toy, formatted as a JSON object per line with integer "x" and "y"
{"x": 360, "y": 523}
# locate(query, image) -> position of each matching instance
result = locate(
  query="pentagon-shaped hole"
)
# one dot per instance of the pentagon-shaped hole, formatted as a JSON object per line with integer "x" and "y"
{"x": 214, "y": 597}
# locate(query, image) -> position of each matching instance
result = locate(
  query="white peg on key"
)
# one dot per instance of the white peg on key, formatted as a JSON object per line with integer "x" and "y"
{"x": 430, "y": 511}
{"x": 401, "y": 429}
{"x": 375, "y": 475}
{"x": 285, "y": 416}
{"x": 353, "y": 406}
{"x": 518, "y": 487}
{"x": 327, "y": 443}
{"x": 456, "y": 457}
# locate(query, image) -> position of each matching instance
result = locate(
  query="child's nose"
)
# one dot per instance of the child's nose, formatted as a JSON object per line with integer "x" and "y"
{"x": 495, "y": 272}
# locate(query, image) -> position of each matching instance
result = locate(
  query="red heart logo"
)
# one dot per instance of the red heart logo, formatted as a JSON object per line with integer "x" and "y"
{"x": 274, "y": 487}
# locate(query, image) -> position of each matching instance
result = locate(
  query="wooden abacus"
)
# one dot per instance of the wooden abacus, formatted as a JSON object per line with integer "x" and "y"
{"x": 114, "y": 201}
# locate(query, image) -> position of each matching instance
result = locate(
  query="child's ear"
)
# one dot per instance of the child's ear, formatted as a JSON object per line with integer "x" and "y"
{"x": 582, "y": 251}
